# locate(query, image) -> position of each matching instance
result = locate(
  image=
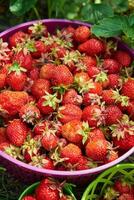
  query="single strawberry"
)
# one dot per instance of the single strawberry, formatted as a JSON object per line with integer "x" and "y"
{"x": 40, "y": 49}
{"x": 69, "y": 30}
{"x": 42, "y": 161}
{"x": 126, "y": 196}
{"x": 72, "y": 97}
{"x": 81, "y": 34}
{"x": 108, "y": 97}
{"x": 40, "y": 87}
{"x": 93, "y": 115}
{"x": 24, "y": 59}
{"x": 123, "y": 58}
{"x": 92, "y": 47}
{"x": 62, "y": 76}
{"x": 91, "y": 99}
{"x": 16, "y": 38}
{"x": 4, "y": 145}
{"x": 47, "y": 190}
{"x": 114, "y": 81}
{"x": 111, "y": 65}
{"x": 96, "y": 133}
{"x": 28, "y": 197}
{"x": 123, "y": 186}
{"x": 123, "y": 134}
{"x": 93, "y": 71}
{"x": 71, "y": 153}
{"x": 48, "y": 103}
{"x": 17, "y": 132}
{"x": 96, "y": 149}
{"x": 128, "y": 88}
{"x": 89, "y": 62}
{"x": 12, "y": 101}
{"x": 112, "y": 114}
{"x": 72, "y": 131}
{"x": 40, "y": 127}
{"x": 47, "y": 71}
{"x": 16, "y": 77}
{"x": 69, "y": 112}
{"x": 29, "y": 113}
{"x": 49, "y": 140}
{"x": 85, "y": 163}
{"x": 58, "y": 52}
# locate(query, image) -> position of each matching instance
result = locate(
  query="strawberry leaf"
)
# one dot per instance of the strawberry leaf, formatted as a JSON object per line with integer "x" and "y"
{"x": 20, "y": 7}
{"x": 109, "y": 27}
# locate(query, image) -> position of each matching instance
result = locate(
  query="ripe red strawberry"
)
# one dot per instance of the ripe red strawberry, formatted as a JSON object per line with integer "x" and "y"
{"x": 23, "y": 59}
{"x": 81, "y": 78}
{"x": 29, "y": 113}
{"x": 72, "y": 131}
{"x": 40, "y": 87}
{"x": 81, "y": 34}
{"x": 123, "y": 136}
{"x": 96, "y": 89}
{"x": 91, "y": 99}
{"x": 72, "y": 97}
{"x": 17, "y": 132}
{"x": 49, "y": 141}
{"x": 69, "y": 112}
{"x": 42, "y": 161}
{"x": 11, "y": 102}
{"x": 114, "y": 81}
{"x": 85, "y": 163}
{"x": 111, "y": 65}
{"x": 72, "y": 153}
{"x": 28, "y": 197}
{"x": 40, "y": 127}
{"x": 96, "y": 149}
{"x": 108, "y": 97}
{"x": 40, "y": 48}
{"x": 95, "y": 134}
{"x": 48, "y": 103}
{"x": 93, "y": 71}
{"x": 58, "y": 52}
{"x": 47, "y": 190}
{"x": 112, "y": 114}
{"x": 93, "y": 115}
{"x": 16, "y": 38}
{"x": 123, "y": 186}
{"x": 128, "y": 88}
{"x": 47, "y": 71}
{"x": 126, "y": 197}
{"x": 89, "y": 61}
{"x": 16, "y": 77}
{"x": 92, "y": 47}
{"x": 62, "y": 76}
{"x": 123, "y": 58}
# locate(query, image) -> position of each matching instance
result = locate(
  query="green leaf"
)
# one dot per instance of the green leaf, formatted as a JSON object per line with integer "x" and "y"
{"x": 131, "y": 19}
{"x": 68, "y": 189}
{"x": 109, "y": 27}
{"x": 95, "y": 12}
{"x": 20, "y": 7}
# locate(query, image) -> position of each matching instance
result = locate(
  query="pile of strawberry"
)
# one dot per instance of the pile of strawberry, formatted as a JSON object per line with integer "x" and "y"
{"x": 66, "y": 99}
{"x": 121, "y": 189}
{"x": 51, "y": 189}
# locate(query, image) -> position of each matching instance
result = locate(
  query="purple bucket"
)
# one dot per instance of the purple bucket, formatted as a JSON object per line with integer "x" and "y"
{"x": 29, "y": 173}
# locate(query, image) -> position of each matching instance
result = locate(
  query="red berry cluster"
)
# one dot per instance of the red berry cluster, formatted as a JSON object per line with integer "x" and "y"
{"x": 121, "y": 189}
{"x": 66, "y": 100}
{"x": 49, "y": 189}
